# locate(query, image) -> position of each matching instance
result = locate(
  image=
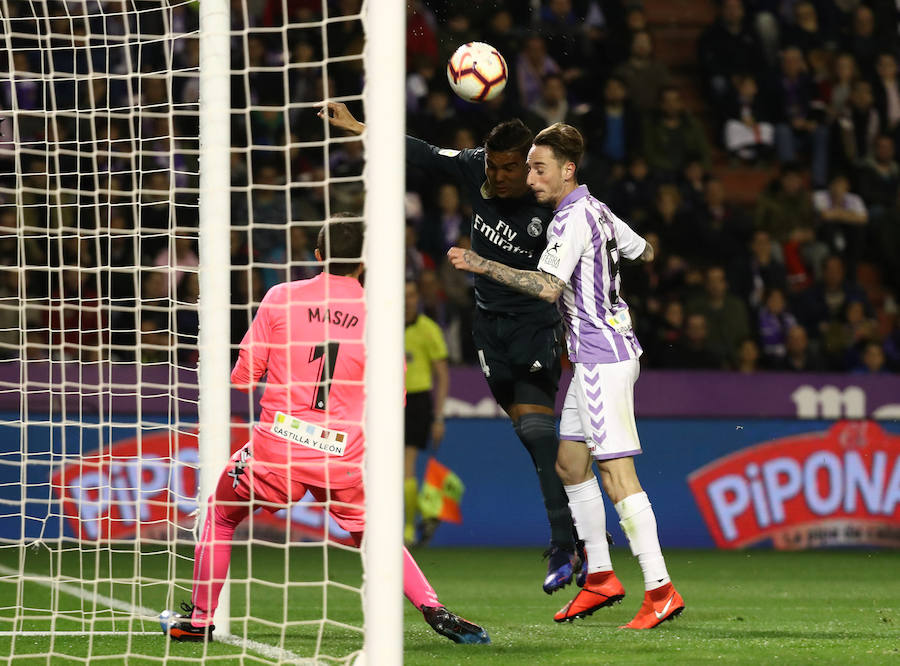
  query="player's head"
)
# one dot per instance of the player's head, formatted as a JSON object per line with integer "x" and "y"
{"x": 505, "y": 150}
{"x": 552, "y": 162}
{"x": 341, "y": 238}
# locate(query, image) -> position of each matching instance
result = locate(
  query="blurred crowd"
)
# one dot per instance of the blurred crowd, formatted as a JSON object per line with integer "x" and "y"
{"x": 800, "y": 278}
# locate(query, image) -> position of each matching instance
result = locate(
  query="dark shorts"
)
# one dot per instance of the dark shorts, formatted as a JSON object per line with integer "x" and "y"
{"x": 520, "y": 356}
{"x": 419, "y": 414}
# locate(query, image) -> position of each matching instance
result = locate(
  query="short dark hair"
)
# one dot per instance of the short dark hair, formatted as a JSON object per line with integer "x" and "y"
{"x": 510, "y": 136}
{"x": 344, "y": 241}
{"x": 564, "y": 140}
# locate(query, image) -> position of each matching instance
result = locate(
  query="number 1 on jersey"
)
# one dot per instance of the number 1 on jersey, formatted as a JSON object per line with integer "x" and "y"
{"x": 328, "y": 355}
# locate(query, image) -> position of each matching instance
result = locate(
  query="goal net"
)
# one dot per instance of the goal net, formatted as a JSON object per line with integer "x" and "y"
{"x": 122, "y": 272}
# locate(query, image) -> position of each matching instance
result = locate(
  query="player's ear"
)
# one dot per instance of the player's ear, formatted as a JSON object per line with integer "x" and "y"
{"x": 318, "y": 255}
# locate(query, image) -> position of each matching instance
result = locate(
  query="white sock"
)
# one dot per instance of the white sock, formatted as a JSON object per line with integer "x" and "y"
{"x": 589, "y": 514}
{"x": 639, "y": 524}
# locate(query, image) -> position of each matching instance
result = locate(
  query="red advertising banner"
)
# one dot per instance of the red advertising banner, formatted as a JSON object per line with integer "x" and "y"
{"x": 146, "y": 488}
{"x": 839, "y": 487}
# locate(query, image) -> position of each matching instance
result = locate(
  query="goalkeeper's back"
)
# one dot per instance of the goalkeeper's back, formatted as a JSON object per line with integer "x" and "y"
{"x": 308, "y": 339}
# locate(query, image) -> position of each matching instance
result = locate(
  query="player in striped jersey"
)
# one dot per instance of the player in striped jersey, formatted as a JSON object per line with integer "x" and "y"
{"x": 580, "y": 269}
{"x": 307, "y": 339}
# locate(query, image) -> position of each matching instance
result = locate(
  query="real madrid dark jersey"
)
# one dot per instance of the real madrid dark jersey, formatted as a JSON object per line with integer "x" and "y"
{"x": 510, "y": 231}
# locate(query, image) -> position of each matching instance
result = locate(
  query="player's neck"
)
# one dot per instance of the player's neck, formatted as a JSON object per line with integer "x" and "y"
{"x": 567, "y": 189}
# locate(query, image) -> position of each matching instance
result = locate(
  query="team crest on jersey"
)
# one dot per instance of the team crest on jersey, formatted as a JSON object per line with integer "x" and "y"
{"x": 535, "y": 227}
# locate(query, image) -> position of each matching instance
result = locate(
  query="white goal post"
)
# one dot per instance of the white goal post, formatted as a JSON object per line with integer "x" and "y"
{"x": 137, "y": 228}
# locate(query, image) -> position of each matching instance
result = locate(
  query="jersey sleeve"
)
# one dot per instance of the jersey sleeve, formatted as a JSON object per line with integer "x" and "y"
{"x": 631, "y": 244}
{"x": 566, "y": 242}
{"x": 465, "y": 167}
{"x": 437, "y": 346}
{"x": 253, "y": 357}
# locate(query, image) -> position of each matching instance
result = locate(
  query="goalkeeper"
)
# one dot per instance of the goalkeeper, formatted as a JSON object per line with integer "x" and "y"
{"x": 519, "y": 339}
{"x": 308, "y": 339}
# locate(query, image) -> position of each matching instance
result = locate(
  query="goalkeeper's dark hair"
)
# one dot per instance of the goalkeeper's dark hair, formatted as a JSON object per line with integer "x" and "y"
{"x": 510, "y": 136}
{"x": 344, "y": 240}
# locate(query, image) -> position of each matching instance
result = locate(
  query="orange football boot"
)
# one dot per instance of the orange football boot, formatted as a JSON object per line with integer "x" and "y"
{"x": 601, "y": 589}
{"x": 660, "y": 604}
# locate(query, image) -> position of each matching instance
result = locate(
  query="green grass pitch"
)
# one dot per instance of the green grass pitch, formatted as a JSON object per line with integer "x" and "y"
{"x": 742, "y": 607}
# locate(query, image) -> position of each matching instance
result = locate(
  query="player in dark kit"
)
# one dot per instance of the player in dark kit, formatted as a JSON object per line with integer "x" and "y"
{"x": 517, "y": 337}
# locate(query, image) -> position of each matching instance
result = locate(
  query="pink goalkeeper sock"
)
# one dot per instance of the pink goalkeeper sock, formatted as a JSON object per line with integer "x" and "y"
{"x": 415, "y": 586}
{"x": 212, "y": 556}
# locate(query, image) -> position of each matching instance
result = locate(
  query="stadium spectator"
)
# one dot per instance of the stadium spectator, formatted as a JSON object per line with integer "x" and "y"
{"x": 722, "y": 229}
{"x": 856, "y": 129}
{"x": 532, "y": 65}
{"x": 827, "y": 298}
{"x": 799, "y": 115}
{"x": 773, "y": 323}
{"x": 747, "y": 357}
{"x": 748, "y": 134}
{"x": 725, "y": 314}
{"x": 552, "y": 106}
{"x": 725, "y": 49}
{"x": 667, "y": 333}
{"x": 692, "y": 352}
{"x": 754, "y": 273}
{"x": 611, "y": 127}
{"x": 844, "y": 75}
{"x": 805, "y": 32}
{"x": 863, "y": 41}
{"x": 672, "y": 136}
{"x": 886, "y": 91}
{"x": 842, "y": 219}
{"x": 634, "y": 193}
{"x": 297, "y": 258}
{"x": 886, "y": 244}
{"x": 843, "y": 338}
{"x": 460, "y": 296}
{"x": 873, "y": 359}
{"x": 643, "y": 75}
{"x": 800, "y": 357}
{"x": 879, "y": 178}
{"x": 785, "y": 211}
{"x": 674, "y": 226}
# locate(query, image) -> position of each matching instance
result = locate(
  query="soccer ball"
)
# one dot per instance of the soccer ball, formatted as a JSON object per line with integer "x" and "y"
{"x": 477, "y": 72}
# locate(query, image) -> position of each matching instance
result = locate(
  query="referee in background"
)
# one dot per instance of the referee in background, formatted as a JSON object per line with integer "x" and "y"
{"x": 427, "y": 384}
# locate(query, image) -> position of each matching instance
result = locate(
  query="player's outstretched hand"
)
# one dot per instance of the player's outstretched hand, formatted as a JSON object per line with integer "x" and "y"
{"x": 339, "y": 116}
{"x": 466, "y": 260}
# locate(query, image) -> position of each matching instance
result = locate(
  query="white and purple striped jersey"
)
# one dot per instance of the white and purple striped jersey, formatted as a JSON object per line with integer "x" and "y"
{"x": 584, "y": 243}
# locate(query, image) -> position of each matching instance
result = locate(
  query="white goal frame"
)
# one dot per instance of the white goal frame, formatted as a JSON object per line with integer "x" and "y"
{"x": 384, "y": 179}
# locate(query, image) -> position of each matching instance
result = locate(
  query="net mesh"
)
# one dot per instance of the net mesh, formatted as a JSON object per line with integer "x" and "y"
{"x": 99, "y": 159}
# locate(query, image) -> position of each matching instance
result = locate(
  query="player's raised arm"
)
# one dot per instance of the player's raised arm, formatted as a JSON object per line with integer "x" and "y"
{"x": 533, "y": 283}
{"x": 338, "y": 115}
{"x": 419, "y": 154}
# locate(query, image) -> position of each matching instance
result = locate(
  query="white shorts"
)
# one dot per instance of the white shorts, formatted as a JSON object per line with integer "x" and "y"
{"x": 599, "y": 409}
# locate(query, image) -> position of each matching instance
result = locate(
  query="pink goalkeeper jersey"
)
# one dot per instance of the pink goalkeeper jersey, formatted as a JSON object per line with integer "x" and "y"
{"x": 307, "y": 338}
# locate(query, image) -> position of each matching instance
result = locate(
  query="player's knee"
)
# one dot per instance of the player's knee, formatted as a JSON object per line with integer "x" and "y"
{"x": 619, "y": 483}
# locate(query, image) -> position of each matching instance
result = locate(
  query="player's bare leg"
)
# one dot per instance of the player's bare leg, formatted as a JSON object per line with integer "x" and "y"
{"x": 535, "y": 426}
{"x": 661, "y": 600}
{"x": 601, "y": 587}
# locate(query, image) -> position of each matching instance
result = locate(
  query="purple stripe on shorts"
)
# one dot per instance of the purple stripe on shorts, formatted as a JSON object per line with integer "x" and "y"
{"x": 622, "y": 454}
{"x": 573, "y": 438}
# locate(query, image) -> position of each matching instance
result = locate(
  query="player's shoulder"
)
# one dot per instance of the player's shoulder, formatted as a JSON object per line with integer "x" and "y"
{"x": 426, "y": 324}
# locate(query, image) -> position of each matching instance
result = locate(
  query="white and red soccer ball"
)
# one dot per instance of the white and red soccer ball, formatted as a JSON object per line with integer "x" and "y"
{"x": 477, "y": 72}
